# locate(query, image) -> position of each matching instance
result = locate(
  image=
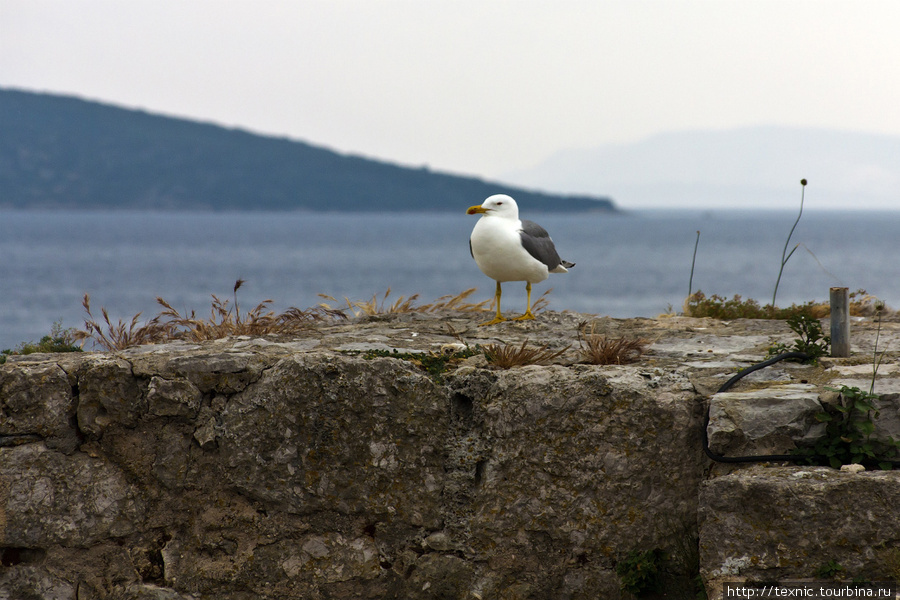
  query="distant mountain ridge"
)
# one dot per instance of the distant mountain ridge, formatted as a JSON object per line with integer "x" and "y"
{"x": 61, "y": 151}
{"x": 750, "y": 167}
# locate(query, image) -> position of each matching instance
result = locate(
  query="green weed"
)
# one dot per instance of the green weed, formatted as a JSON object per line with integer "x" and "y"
{"x": 812, "y": 341}
{"x": 720, "y": 307}
{"x": 59, "y": 340}
{"x": 829, "y": 570}
{"x": 848, "y": 433}
{"x": 640, "y": 572}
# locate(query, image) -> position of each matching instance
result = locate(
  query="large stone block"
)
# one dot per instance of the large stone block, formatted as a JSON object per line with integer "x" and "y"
{"x": 772, "y": 420}
{"x": 579, "y": 466}
{"x": 777, "y": 523}
{"x": 887, "y": 423}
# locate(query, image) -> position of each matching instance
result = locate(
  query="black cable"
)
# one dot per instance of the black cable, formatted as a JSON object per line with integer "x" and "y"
{"x": 725, "y": 386}
{"x": 764, "y": 457}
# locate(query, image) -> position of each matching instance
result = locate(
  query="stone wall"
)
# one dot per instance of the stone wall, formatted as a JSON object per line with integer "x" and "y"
{"x": 299, "y": 468}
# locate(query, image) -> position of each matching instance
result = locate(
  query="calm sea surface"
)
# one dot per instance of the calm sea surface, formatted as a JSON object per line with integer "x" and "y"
{"x": 633, "y": 265}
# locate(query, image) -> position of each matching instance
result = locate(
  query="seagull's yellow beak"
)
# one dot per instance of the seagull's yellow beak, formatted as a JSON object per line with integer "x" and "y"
{"x": 476, "y": 210}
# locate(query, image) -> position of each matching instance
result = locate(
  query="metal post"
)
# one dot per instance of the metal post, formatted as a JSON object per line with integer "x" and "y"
{"x": 840, "y": 321}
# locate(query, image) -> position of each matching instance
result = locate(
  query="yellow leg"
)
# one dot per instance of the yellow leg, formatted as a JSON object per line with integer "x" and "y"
{"x": 528, "y": 315}
{"x": 499, "y": 318}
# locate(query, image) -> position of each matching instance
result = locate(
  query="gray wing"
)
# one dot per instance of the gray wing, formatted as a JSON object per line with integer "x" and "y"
{"x": 470, "y": 248}
{"x": 537, "y": 242}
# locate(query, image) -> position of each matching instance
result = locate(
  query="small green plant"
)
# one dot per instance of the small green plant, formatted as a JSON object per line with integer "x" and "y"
{"x": 812, "y": 341}
{"x": 720, "y": 307}
{"x": 641, "y": 572}
{"x": 681, "y": 564}
{"x": 829, "y": 570}
{"x": 59, "y": 340}
{"x": 849, "y": 427}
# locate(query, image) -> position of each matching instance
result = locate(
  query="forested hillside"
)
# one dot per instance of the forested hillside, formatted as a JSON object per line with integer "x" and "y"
{"x": 58, "y": 151}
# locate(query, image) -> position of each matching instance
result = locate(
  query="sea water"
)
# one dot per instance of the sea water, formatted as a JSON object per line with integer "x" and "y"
{"x": 627, "y": 265}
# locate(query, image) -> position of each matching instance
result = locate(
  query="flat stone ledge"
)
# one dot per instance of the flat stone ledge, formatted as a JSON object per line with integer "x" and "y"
{"x": 773, "y": 420}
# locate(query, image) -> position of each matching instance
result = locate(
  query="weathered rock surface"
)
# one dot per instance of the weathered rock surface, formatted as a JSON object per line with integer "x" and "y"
{"x": 297, "y": 468}
{"x": 772, "y": 420}
{"x": 568, "y": 466}
{"x": 752, "y": 524}
{"x": 54, "y": 499}
{"x": 36, "y": 404}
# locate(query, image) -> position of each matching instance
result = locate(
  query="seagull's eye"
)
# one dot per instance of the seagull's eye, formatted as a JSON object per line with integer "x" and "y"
{"x": 499, "y": 204}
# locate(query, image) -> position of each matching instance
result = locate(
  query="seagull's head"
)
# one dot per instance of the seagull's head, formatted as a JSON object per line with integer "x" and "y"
{"x": 498, "y": 205}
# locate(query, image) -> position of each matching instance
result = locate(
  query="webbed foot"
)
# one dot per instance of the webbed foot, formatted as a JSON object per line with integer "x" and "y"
{"x": 494, "y": 321}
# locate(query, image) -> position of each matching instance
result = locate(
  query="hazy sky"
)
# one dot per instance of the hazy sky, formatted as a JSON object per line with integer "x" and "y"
{"x": 478, "y": 87}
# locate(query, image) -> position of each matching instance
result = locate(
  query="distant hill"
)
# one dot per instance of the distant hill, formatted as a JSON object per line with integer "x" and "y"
{"x": 59, "y": 151}
{"x": 752, "y": 167}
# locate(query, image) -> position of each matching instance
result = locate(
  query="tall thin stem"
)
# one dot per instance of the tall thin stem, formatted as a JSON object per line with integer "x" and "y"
{"x": 876, "y": 361}
{"x": 784, "y": 258}
{"x": 237, "y": 310}
{"x": 693, "y": 262}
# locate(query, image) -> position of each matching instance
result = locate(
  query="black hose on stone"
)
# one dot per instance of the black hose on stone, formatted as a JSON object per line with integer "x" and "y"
{"x": 725, "y": 386}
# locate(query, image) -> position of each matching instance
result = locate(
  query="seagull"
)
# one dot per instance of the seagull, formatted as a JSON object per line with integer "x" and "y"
{"x": 507, "y": 249}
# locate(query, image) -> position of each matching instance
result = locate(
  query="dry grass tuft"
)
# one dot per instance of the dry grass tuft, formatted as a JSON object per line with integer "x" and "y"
{"x": 225, "y": 320}
{"x": 121, "y": 334}
{"x": 508, "y": 356}
{"x": 459, "y": 302}
{"x": 541, "y": 303}
{"x": 599, "y": 349}
{"x": 864, "y": 304}
{"x": 374, "y": 306}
